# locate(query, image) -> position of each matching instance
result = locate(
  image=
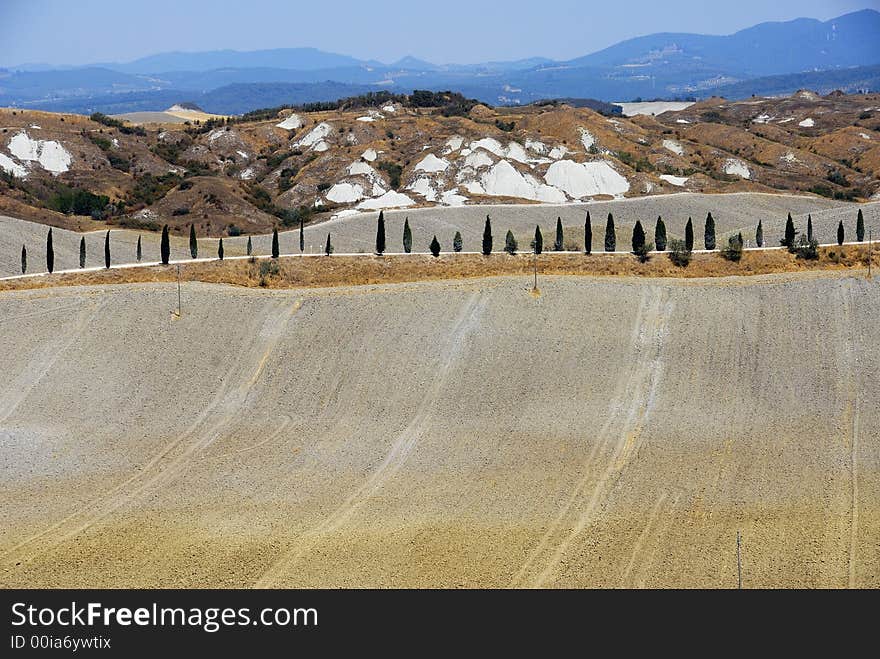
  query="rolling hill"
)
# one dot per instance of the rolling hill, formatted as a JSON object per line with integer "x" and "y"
{"x": 383, "y": 152}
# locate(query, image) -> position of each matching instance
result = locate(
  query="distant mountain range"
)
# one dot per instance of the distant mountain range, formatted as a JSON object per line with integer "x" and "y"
{"x": 765, "y": 59}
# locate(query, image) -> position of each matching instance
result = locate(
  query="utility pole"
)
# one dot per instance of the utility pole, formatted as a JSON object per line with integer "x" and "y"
{"x": 739, "y": 571}
{"x": 536, "y": 270}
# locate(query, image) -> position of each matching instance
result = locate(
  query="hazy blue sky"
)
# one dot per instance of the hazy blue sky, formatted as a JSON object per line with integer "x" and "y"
{"x": 442, "y": 31}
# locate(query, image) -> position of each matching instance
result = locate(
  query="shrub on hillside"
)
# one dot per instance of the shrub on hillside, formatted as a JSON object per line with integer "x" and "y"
{"x": 679, "y": 254}
{"x": 734, "y": 249}
{"x": 393, "y": 170}
{"x": 805, "y": 248}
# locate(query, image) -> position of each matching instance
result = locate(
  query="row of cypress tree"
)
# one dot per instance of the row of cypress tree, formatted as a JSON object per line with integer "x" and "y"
{"x": 639, "y": 239}
{"x": 511, "y": 246}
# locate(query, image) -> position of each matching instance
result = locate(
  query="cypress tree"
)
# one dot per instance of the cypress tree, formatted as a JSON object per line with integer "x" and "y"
{"x": 840, "y": 234}
{"x": 790, "y": 232}
{"x": 220, "y": 250}
{"x": 860, "y": 227}
{"x": 302, "y": 238}
{"x": 689, "y": 236}
{"x": 82, "y": 252}
{"x": 610, "y": 238}
{"x": 709, "y": 235}
{"x": 250, "y": 247}
{"x": 435, "y": 247}
{"x": 380, "y": 234}
{"x": 407, "y": 236}
{"x": 328, "y": 248}
{"x": 107, "y": 250}
{"x": 557, "y": 244}
{"x": 638, "y": 238}
{"x": 538, "y": 242}
{"x": 139, "y": 252}
{"x": 50, "y": 253}
{"x": 759, "y": 234}
{"x": 510, "y": 243}
{"x": 588, "y": 235}
{"x": 165, "y": 248}
{"x": 193, "y": 243}
{"x": 456, "y": 242}
{"x": 809, "y": 227}
{"x": 275, "y": 250}
{"x": 23, "y": 260}
{"x": 660, "y": 235}
{"x": 487, "y": 237}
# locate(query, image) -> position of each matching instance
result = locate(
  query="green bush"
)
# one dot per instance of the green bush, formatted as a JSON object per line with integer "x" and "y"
{"x": 268, "y": 269}
{"x": 679, "y": 254}
{"x": 393, "y": 170}
{"x": 734, "y": 249}
{"x": 118, "y": 162}
{"x": 149, "y": 189}
{"x": 277, "y": 158}
{"x": 78, "y": 202}
{"x": 805, "y": 248}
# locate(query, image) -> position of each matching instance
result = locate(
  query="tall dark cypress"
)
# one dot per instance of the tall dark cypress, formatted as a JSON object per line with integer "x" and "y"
{"x": 790, "y": 233}
{"x": 709, "y": 234}
{"x": 220, "y": 250}
{"x": 860, "y": 227}
{"x": 538, "y": 243}
{"x": 759, "y": 234}
{"x": 165, "y": 247}
{"x": 193, "y": 243}
{"x": 107, "y": 250}
{"x": 840, "y": 233}
{"x": 380, "y": 234}
{"x": 689, "y": 236}
{"x": 588, "y": 234}
{"x": 435, "y": 247}
{"x": 23, "y": 260}
{"x": 660, "y": 235}
{"x": 328, "y": 248}
{"x": 638, "y": 238}
{"x": 487, "y": 237}
{"x": 139, "y": 253}
{"x": 275, "y": 249}
{"x": 82, "y": 252}
{"x": 407, "y": 236}
{"x": 809, "y": 227}
{"x": 250, "y": 247}
{"x": 610, "y": 237}
{"x": 50, "y": 253}
{"x": 302, "y": 238}
{"x": 557, "y": 244}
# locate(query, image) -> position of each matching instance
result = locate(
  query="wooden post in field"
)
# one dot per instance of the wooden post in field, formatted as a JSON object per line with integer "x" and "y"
{"x": 739, "y": 572}
{"x": 536, "y": 271}
{"x": 179, "y": 309}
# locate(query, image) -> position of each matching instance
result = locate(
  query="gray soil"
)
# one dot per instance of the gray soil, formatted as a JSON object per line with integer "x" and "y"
{"x": 603, "y": 433}
{"x": 732, "y": 213}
